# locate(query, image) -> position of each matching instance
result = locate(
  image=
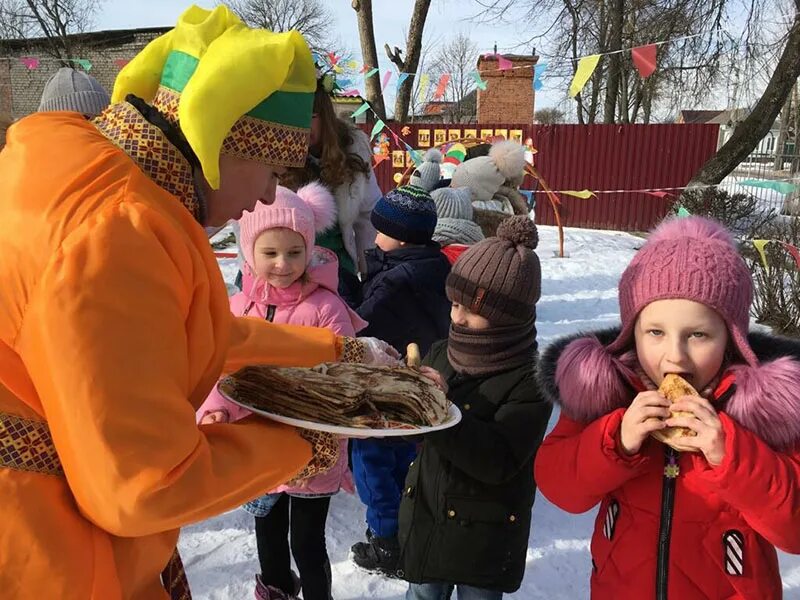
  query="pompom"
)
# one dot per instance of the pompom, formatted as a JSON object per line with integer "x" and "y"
{"x": 433, "y": 155}
{"x": 520, "y": 231}
{"x": 699, "y": 228}
{"x": 322, "y": 204}
{"x": 509, "y": 158}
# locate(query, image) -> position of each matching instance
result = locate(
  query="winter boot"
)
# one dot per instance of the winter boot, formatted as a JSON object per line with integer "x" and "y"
{"x": 378, "y": 555}
{"x": 268, "y": 592}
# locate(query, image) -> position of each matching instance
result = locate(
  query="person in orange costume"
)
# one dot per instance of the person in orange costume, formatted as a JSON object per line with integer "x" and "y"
{"x": 114, "y": 319}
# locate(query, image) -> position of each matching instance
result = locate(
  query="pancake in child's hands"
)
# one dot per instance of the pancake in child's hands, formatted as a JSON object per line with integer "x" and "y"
{"x": 673, "y": 388}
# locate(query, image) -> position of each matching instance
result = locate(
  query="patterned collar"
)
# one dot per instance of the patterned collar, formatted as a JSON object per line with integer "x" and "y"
{"x": 149, "y": 148}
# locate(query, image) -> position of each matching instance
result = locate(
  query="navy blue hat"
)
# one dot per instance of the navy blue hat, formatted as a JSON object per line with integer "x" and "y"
{"x": 407, "y": 214}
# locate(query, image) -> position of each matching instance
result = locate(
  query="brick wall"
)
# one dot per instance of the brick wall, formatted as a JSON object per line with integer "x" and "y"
{"x": 509, "y": 96}
{"x": 21, "y": 88}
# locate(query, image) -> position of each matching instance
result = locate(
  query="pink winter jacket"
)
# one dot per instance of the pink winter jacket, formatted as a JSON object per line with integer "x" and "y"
{"x": 315, "y": 303}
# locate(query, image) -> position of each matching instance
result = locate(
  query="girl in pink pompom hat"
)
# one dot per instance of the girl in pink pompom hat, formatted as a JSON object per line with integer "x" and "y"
{"x": 700, "y": 518}
{"x": 287, "y": 279}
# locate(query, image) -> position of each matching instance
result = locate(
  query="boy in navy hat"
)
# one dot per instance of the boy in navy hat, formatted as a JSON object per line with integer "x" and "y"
{"x": 404, "y": 301}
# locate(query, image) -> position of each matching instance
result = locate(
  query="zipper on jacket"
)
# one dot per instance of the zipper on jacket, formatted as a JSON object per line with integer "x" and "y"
{"x": 271, "y": 308}
{"x": 671, "y": 472}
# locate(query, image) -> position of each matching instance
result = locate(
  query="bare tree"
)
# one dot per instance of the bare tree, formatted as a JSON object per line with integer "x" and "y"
{"x": 309, "y": 17}
{"x": 366, "y": 33}
{"x": 52, "y": 20}
{"x": 410, "y": 64}
{"x": 549, "y": 116}
{"x": 458, "y": 57}
{"x": 756, "y": 125}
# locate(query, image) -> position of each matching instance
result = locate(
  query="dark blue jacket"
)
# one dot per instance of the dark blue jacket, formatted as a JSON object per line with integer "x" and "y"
{"x": 404, "y": 299}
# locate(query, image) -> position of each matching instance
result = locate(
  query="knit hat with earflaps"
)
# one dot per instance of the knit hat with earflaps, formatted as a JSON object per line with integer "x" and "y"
{"x": 233, "y": 90}
{"x": 691, "y": 259}
{"x": 74, "y": 91}
{"x": 310, "y": 211}
{"x": 500, "y": 278}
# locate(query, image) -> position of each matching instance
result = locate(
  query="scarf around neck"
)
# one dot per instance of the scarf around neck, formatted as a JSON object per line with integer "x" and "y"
{"x": 483, "y": 351}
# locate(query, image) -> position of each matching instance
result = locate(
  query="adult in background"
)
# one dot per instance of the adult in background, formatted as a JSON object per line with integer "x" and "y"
{"x": 340, "y": 157}
{"x": 114, "y": 318}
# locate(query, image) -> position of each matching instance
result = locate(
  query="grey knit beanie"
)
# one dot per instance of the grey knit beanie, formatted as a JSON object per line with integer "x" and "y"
{"x": 453, "y": 203}
{"x": 429, "y": 172}
{"x": 74, "y": 91}
{"x": 500, "y": 278}
{"x": 457, "y": 231}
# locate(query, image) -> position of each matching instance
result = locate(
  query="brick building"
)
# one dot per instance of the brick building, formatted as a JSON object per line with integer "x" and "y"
{"x": 21, "y": 88}
{"x": 509, "y": 96}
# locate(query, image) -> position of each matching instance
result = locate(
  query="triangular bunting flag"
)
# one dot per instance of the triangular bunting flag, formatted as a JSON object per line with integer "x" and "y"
{"x": 442, "y": 86}
{"x": 782, "y": 187}
{"x": 658, "y": 193}
{"x": 121, "y": 62}
{"x": 682, "y": 212}
{"x": 401, "y": 78}
{"x": 364, "y": 69}
{"x": 478, "y": 81}
{"x": 538, "y": 71}
{"x": 372, "y": 72}
{"x": 30, "y": 62}
{"x": 586, "y": 67}
{"x": 793, "y": 251}
{"x": 378, "y": 159}
{"x": 503, "y": 63}
{"x": 582, "y": 194}
{"x": 424, "y": 82}
{"x": 386, "y": 77}
{"x": 85, "y": 64}
{"x": 377, "y": 129}
{"x": 644, "y": 57}
{"x": 760, "y": 244}
{"x": 334, "y": 59}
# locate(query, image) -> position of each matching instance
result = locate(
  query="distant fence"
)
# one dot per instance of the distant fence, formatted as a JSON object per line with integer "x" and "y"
{"x": 576, "y": 157}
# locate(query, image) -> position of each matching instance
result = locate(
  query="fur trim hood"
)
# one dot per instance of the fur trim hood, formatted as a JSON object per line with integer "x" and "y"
{"x": 579, "y": 374}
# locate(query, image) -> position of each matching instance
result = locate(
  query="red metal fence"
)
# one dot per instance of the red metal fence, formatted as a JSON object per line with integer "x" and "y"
{"x": 593, "y": 157}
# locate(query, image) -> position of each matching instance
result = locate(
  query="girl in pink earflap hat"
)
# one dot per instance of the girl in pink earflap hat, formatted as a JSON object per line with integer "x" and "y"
{"x": 287, "y": 279}
{"x": 702, "y": 522}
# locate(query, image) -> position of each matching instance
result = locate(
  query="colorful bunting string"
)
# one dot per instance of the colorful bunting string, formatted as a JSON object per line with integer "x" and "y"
{"x": 401, "y": 78}
{"x": 424, "y": 82}
{"x": 386, "y": 77}
{"x": 644, "y": 57}
{"x": 582, "y": 194}
{"x": 760, "y": 244}
{"x": 781, "y": 187}
{"x": 538, "y": 72}
{"x": 379, "y": 125}
{"x": 480, "y": 83}
{"x": 442, "y": 87}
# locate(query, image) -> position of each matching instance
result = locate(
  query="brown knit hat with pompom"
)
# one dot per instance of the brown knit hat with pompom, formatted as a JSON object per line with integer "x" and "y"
{"x": 500, "y": 278}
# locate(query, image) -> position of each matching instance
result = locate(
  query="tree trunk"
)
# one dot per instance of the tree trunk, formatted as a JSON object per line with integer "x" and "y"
{"x": 410, "y": 64}
{"x": 786, "y": 116}
{"x": 615, "y": 15}
{"x": 758, "y": 122}
{"x": 366, "y": 33}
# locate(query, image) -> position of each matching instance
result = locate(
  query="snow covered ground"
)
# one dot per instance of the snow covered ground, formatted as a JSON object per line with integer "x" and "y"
{"x": 578, "y": 293}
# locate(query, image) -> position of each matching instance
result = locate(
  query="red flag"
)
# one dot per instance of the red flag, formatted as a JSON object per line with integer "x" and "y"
{"x": 793, "y": 251}
{"x": 121, "y": 62}
{"x": 333, "y": 57}
{"x": 644, "y": 57}
{"x": 442, "y": 87}
{"x": 659, "y": 193}
{"x": 378, "y": 159}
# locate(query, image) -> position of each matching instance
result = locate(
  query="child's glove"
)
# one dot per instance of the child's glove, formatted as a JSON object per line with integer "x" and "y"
{"x": 369, "y": 351}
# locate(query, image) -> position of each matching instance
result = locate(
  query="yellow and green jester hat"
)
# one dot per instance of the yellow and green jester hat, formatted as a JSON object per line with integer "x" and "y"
{"x": 232, "y": 89}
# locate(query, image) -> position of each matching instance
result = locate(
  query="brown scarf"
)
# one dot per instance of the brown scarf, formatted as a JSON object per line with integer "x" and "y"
{"x": 482, "y": 351}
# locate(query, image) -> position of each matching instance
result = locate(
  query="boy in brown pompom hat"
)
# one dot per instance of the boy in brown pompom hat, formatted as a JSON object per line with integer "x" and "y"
{"x": 486, "y": 461}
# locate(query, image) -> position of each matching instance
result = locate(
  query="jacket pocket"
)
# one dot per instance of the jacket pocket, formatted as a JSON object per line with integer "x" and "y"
{"x": 614, "y": 551}
{"x": 479, "y": 540}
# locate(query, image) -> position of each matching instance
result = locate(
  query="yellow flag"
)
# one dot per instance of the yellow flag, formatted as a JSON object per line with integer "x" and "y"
{"x": 582, "y": 194}
{"x": 424, "y": 81}
{"x": 759, "y": 244}
{"x": 586, "y": 67}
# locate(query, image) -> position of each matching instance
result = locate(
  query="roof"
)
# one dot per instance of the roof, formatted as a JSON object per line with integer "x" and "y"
{"x": 111, "y": 37}
{"x": 436, "y": 108}
{"x": 699, "y": 116}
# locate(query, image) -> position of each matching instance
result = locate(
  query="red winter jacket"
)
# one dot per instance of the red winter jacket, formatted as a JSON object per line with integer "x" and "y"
{"x": 707, "y": 533}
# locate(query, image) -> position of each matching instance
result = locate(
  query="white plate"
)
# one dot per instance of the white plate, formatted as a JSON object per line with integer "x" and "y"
{"x": 453, "y": 417}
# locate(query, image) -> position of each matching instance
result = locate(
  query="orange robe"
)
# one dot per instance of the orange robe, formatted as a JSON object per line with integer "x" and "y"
{"x": 114, "y": 326}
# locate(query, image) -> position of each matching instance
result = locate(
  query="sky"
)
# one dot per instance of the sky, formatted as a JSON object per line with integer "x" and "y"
{"x": 446, "y": 18}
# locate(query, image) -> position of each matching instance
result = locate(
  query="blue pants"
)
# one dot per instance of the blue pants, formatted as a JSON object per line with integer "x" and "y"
{"x": 443, "y": 591}
{"x": 379, "y": 470}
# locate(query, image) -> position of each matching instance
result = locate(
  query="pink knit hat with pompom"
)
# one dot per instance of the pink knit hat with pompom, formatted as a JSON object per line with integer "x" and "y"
{"x": 309, "y": 211}
{"x": 690, "y": 259}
